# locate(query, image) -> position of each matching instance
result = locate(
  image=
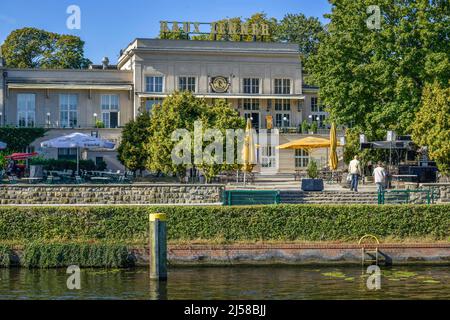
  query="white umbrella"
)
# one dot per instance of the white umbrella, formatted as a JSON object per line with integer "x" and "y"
{"x": 78, "y": 140}
{"x": 3, "y": 145}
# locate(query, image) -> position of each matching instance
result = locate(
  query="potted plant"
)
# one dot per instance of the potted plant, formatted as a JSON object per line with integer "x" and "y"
{"x": 305, "y": 127}
{"x": 313, "y": 183}
{"x": 314, "y": 127}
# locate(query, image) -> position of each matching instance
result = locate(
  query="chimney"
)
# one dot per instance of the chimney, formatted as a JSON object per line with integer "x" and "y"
{"x": 105, "y": 63}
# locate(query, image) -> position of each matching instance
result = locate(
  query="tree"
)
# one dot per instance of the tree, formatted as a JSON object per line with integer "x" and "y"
{"x": 180, "y": 111}
{"x": 373, "y": 79}
{"x": 432, "y": 125}
{"x": 132, "y": 152}
{"x": 34, "y": 48}
{"x": 299, "y": 29}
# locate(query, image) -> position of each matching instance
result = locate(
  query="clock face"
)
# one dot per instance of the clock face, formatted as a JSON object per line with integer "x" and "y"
{"x": 220, "y": 84}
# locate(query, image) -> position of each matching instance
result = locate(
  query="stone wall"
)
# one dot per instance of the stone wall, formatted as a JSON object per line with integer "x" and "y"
{"x": 441, "y": 191}
{"x": 110, "y": 194}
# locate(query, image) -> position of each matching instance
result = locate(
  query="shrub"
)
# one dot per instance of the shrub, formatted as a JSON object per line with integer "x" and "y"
{"x": 60, "y": 165}
{"x": 251, "y": 223}
{"x": 312, "y": 170}
{"x": 5, "y": 256}
{"x": 305, "y": 127}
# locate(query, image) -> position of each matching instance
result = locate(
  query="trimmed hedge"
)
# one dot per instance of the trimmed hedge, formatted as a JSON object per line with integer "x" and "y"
{"x": 254, "y": 223}
{"x": 5, "y": 256}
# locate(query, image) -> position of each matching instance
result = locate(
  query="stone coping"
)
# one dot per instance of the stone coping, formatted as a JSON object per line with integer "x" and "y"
{"x": 145, "y": 185}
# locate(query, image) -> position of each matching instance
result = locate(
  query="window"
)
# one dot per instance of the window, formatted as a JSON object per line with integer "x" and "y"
{"x": 282, "y": 86}
{"x": 186, "y": 84}
{"x": 26, "y": 110}
{"x": 301, "y": 158}
{"x": 282, "y": 120}
{"x": 315, "y": 107}
{"x": 282, "y": 105}
{"x": 149, "y": 103}
{"x": 68, "y": 105}
{"x": 67, "y": 153}
{"x": 154, "y": 84}
{"x": 251, "y": 104}
{"x": 268, "y": 157}
{"x": 110, "y": 110}
{"x": 251, "y": 85}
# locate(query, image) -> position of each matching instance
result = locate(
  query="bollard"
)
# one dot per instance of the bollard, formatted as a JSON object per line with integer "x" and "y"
{"x": 158, "y": 246}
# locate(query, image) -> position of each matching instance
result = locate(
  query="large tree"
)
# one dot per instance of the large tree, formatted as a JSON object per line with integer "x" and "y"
{"x": 302, "y": 30}
{"x": 180, "y": 111}
{"x": 432, "y": 125}
{"x": 373, "y": 78}
{"x": 34, "y": 48}
{"x": 132, "y": 152}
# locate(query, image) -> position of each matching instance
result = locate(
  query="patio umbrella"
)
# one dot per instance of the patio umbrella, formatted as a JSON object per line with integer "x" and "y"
{"x": 21, "y": 156}
{"x": 306, "y": 143}
{"x": 249, "y": 150}
{"x": 78, "y": 140}
{"x": 333, "y": 148}
{"x": 3, "y": 145}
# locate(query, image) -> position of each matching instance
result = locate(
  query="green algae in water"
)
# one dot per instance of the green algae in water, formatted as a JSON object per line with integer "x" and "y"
{"x": 431, "y": 281}
{"x": 334, "y": 274}
{"x": 349, "y": 279}
{"x": 403, "y": 274}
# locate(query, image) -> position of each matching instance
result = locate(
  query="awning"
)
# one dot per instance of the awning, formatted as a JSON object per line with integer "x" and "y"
{"x": 66, "y": 86}
{"x": 228, "y": 96}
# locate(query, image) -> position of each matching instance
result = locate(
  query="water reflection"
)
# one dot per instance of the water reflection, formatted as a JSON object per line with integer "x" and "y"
{"x": 286, "y": 282}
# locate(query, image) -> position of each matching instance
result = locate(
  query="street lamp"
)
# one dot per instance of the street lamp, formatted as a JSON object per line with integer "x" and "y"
{"x": 1, "y": 119}
{"x": 48, "y": 119}
{"x": 95, "y": 119}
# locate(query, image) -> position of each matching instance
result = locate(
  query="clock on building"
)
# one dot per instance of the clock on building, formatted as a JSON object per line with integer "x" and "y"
{"x": 220, "y": 84}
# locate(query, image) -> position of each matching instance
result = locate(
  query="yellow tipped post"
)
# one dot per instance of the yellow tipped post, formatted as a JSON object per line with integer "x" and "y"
{"x": 249, "y": 150}
{"x": 333, "y": 148}
{"x": 158, "y": 246}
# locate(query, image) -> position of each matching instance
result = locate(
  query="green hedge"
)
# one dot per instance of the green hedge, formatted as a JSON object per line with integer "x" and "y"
{"x": 5, "y": 256}
{"x": 282, "y": 222}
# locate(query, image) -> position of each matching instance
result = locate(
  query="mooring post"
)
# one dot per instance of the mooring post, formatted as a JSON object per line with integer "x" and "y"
{"x": 158, "y": 246}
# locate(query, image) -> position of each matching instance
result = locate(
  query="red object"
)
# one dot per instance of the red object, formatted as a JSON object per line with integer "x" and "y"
{"x": 21, "y": 156}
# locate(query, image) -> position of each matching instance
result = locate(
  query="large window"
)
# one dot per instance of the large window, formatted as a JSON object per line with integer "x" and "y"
{"x": 282, "y": 120}
{"x": 282, "y": 105}
{"x": 315, "y": 106}
{"x": 301, "y": 158}
{"x": 154, "y": 84}
{"x": 251, "y": 85}
{"x": 282, "y": 86}
{"x": 251, "y": 104}
{"x": 110, "y": 110}
{"x": 67, "y": 153}
{"x": 186, "y": 84}
{"x": 149, "y": 103}
{"x": 26, "y": 110}
{"x": 68, "y": 108}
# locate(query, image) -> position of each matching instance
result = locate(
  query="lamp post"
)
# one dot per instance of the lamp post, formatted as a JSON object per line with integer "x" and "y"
{"x": 48, "y": 119}
{"x": 95, "y": 120}
{"x": 1, "y": 119}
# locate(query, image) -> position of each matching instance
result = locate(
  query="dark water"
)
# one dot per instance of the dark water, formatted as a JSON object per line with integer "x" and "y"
{"x": 289, "y": 282}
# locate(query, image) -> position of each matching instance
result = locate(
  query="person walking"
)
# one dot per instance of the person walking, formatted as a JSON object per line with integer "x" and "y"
{"x": 380, "y": 177}
{"x": 354, "y": 169}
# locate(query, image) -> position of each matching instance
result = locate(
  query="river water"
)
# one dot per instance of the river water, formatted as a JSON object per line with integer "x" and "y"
{"x": 201, "y": 283}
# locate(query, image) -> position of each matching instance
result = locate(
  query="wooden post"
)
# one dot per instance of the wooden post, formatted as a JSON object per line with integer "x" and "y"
{"x": 158, "y": 246}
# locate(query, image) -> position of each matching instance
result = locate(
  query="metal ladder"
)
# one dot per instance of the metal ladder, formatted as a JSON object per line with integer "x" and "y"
{"x": 369, "y": 255}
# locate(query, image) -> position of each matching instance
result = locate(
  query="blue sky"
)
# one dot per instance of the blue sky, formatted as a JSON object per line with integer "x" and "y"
{"x": 108, "y": 26}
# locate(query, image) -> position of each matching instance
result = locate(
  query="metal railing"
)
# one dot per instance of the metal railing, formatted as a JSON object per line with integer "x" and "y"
{"x": 250, "y": 197}
{"x": 418, "y": 196}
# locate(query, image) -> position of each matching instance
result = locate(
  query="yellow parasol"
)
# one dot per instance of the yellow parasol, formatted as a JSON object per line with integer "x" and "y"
{"x": 333, "y": 148}
{"x": 249, "y": 150}
{"x": 306, "y": 143}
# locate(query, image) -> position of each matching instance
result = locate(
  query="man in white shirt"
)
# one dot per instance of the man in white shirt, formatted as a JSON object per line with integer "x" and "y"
{"x": 354, "y": 169}
{"x": 379, "y": 175}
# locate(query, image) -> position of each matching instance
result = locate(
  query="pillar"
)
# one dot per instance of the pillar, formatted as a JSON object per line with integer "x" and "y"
{"x": 158, "y": 246}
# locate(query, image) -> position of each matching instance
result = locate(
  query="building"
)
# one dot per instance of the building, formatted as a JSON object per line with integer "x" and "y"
{"x": 263, "y": 81}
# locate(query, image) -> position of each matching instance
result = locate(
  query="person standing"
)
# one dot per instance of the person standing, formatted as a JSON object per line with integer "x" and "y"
{"x": 380, "y": 177}
{"x": 354, "y": 169}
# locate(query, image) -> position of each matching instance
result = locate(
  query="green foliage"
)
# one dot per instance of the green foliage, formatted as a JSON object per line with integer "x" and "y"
{"x": 314, "y": 127}
{"x": 179, "y": 112}
{"x": 60, "y": 165}
{"x": 84, "y": 255}
{"x": 253, "y": 223}
{"x": 132, "y": 152}
{"x": 305, "y": 127}
{"x": 373, "y": 79}
{"x": 5, "y": 256}
{"x": 312, "y": 170}
{"x": 432, "y": 125}
{"x": 34, "y": 48}
{"x": 18, "y": 139}
{"x": 299, "y": 29}
{"x": 99, "y": 124}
